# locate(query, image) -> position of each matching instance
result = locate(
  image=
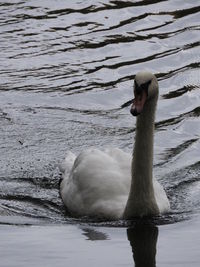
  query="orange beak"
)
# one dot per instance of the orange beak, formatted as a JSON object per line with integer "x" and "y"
{"x": 138, "y": 103}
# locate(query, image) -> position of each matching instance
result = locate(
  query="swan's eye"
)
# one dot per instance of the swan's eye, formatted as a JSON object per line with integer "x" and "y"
{"x": 138, "y": 89}
{"x": 145, "y": 86}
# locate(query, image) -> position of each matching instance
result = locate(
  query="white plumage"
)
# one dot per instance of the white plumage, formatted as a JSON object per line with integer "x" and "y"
{"x": 103, "y": 183}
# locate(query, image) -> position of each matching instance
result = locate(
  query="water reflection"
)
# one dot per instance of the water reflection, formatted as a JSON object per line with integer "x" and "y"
{"x": 143, "y": 240}
{"x": 94, "y": 235}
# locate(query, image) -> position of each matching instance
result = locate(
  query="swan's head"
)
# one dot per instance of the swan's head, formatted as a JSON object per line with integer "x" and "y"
{"x": 145, "y": 89}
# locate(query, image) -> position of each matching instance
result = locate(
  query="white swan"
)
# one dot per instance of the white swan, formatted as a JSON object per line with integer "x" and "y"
{"x": 109, "y": 183}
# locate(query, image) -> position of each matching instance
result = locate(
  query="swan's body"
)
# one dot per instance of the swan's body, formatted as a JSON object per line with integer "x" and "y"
{"x": 109, "y": 183}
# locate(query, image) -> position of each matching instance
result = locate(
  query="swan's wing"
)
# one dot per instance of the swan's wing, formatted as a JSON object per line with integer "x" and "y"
{"x": 98, "y": 184}
{"x": 123, "y": 161}
{"x": 161, "y": 197}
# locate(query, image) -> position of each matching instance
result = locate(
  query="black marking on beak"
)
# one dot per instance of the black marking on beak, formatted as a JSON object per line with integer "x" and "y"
{"x": 140, "y": 88}
{"x": 134, "y": 112}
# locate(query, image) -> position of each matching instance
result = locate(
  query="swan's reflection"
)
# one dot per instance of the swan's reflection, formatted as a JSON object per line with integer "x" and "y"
{"x": 143, "y": 240}
{"x": 94, "y": 235}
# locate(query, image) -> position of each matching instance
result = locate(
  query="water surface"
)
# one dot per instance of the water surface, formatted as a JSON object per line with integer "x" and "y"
{"x": 67, "y": 69}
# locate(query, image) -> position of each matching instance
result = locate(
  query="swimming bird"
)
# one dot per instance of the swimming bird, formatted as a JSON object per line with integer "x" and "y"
{"x": 112, "y": 184}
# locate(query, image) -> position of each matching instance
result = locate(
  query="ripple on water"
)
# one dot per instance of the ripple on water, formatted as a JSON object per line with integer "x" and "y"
{"x": 66, "y": 84}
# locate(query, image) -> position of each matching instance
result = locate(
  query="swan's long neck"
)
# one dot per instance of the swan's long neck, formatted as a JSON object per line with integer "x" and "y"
{"x": 141, "y": 200}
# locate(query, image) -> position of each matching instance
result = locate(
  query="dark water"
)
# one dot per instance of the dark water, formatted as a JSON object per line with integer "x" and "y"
{"x": 66, "y": 69}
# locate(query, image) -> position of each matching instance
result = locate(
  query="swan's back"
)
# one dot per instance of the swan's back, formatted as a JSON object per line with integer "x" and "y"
{"x": 98, "y": 184}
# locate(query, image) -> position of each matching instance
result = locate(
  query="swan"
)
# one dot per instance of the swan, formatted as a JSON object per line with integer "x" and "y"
{"x": 110, "y": 183}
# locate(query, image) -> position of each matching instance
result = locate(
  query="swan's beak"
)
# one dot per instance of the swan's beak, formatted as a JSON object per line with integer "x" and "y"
{"x": 138, "y": 103}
